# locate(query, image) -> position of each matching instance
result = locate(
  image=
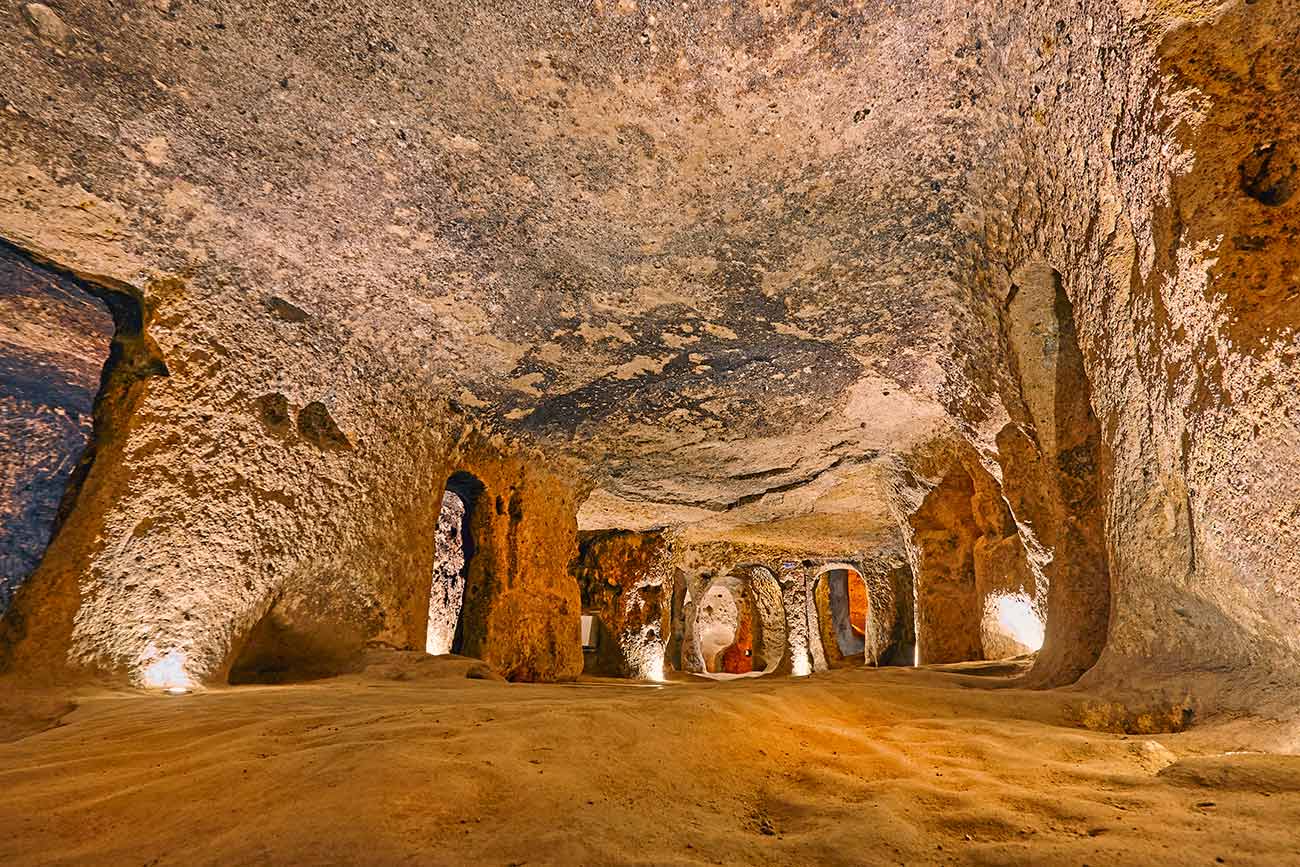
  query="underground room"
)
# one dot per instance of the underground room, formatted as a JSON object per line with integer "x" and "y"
{"x": 740, "y": 432}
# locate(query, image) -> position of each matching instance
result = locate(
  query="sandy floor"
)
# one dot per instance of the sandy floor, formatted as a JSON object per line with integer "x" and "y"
{"x": 413, "y": 763}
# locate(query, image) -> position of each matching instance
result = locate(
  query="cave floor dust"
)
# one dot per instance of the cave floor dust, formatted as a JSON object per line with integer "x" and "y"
{"x": 410, "y": 762}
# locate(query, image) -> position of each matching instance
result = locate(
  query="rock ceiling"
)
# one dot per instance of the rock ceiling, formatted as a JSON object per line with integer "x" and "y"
{"x": 713, "y": 252}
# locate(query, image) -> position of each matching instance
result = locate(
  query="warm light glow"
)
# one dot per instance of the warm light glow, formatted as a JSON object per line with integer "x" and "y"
{"x": 166, "y": 672}
{"x": 439, "y": 639}
{"x": 645, "y": 654}
{"x": 177, "y": 690}
{"x": 1017, "y": 617}
{"x": 655, "y": 670}
{"x": 800, "y": 664}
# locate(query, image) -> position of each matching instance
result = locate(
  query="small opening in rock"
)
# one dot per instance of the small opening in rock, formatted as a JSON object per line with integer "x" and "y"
{"x": 1268, "y": 174}
{"x": 284, "y": 647}
{"x": 318, "y": 427}
{"x": 739, "y": 624}
{"x": 454, "y": 548}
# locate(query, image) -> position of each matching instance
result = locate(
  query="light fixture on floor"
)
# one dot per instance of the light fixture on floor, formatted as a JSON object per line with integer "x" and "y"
{"x": 166, "y": 672}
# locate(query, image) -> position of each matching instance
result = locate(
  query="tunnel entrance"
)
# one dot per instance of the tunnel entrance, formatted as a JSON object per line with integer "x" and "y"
{"x": 977, "y": 595}
{"x": 739, "y": 623}
{"x": 843, "y": 609}
{"x": 298, "y": 639}
{"x": 724, "y": 624}
{"x": 900, "y": 646}
{"x": 454, "y": 550}
{"x": 304, "y": 635}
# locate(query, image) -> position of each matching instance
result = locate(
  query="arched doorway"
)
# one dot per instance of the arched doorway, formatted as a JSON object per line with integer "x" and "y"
{"x": 454, "y": 548}
{"x": 739, "y": 623}
{"x": 843, "y": 612}
{"x": 724, "y": 624}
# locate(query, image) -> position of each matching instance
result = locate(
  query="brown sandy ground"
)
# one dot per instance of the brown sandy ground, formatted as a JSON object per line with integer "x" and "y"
{"x": 410, "y": 762}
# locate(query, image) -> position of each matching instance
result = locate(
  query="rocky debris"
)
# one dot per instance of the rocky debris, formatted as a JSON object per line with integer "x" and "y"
{"x": 483, "y": 671}
{"x": 286, "y": 310}
{"x": 1256, "y": 773}
{"x": 273, "y": 411}
{"x": 47, "y": 23}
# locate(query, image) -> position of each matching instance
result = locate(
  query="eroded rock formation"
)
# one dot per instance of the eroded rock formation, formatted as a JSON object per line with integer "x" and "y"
{"x": 626, "y": 583}
{"x": 993, "y": 303}
{"x": 452, "y": 549}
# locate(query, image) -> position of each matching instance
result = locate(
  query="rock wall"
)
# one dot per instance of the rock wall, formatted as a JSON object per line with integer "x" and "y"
{"x": 626, "y": 580}
{"x": 1149, "y": 146}
{"x": 522, "y": 607}
{"x": 1200, "y": 396}
{"x": 346, "y": 549}
{"x": 447, "y": 590}
{"x": 948, "y": 604}
{"x": 1053, "y": 473}
{"x": 730, "y": 293}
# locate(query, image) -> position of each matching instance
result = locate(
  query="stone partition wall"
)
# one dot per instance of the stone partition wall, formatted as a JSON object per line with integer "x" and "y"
{"x": 770, "y": 605}
{"x": 897, "y": 643}
{"x": 1164, "y": 137}
{"x": 789, "y": 609}
{"x": 783, "y": 629}
{"x": 948, "y": 604}
{"x": 802, "y": 635}
{"x": 522, "y": 607}
{"x": 887, "y": 597}
{"x": 1053, "y": 475}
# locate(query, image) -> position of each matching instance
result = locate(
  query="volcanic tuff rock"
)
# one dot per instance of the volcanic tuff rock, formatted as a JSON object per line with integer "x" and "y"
{"x": 749, "y": 271}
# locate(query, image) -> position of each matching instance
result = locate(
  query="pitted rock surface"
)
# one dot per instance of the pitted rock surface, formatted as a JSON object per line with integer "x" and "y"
{"x": 744, "y": 272}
